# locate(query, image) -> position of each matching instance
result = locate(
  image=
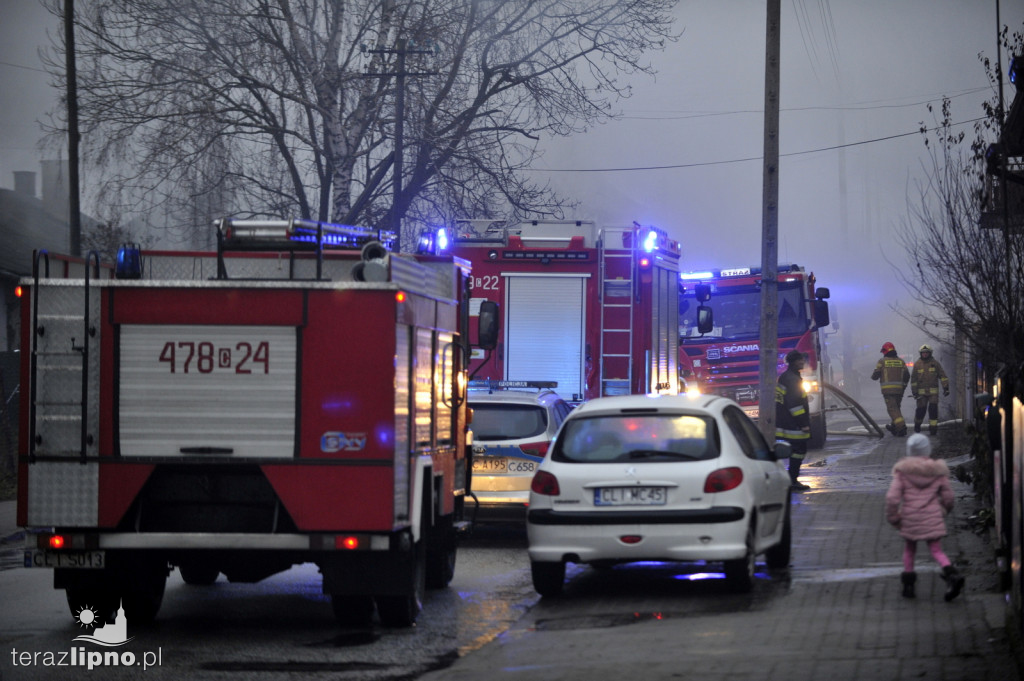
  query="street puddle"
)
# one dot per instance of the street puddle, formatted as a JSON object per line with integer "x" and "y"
{"x": 845, "y": 574}
{"x": 598, "y": 621}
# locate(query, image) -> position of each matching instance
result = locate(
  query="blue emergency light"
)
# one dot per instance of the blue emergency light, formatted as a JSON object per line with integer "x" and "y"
{"x": 651, "y": 242}
{"x": 129, "y": 262}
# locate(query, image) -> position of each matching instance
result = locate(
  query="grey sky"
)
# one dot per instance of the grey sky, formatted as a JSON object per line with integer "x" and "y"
{"x": 853, "y": 71}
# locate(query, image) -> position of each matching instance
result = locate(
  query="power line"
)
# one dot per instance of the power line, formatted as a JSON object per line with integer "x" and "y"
{"x": 19, "y": 66}
{"x": 742, "y": 160}
{"x": 871, "y": 105}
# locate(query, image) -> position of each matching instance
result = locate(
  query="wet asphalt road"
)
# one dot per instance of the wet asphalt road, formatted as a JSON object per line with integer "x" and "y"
{"x": 284, "y": 625}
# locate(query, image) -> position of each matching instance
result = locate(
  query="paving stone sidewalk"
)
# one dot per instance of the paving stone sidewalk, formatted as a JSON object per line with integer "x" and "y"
{"x": 840, "y": 618}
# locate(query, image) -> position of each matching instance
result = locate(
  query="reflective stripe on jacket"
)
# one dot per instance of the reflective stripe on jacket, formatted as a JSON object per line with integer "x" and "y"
{"x": 927, "y": 375}
{"x": 893, "y": 374}
{"x": 791, "y": 407}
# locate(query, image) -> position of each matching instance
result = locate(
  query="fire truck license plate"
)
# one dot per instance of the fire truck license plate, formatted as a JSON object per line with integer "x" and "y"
{"x": 66, "y": 559}
{"x": 501, "y": 464}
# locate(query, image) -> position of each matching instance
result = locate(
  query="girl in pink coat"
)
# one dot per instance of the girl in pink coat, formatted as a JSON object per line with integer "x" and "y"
{"x": 916, "y": 504}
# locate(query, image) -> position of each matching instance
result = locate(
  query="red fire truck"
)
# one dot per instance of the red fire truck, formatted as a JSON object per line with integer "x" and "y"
{"x": 594, "y": 310}
{"x": 299, "y": 395}
{"x": 726, "y": 359}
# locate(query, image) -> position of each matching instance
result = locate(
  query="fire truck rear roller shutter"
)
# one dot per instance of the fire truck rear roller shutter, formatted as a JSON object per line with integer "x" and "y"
{"x": 218, "y": 387}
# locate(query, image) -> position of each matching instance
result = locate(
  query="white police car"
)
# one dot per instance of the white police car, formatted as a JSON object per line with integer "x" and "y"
{"x": 513, "y": 423}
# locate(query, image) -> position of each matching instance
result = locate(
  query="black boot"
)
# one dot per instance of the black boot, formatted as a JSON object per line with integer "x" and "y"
{"x": 798, "y": 486}
{"x": 954, "y": 582}
{"x": 917, "y": 427}
{"x": 908, "y": 579}
{"x": 794, "y": 471}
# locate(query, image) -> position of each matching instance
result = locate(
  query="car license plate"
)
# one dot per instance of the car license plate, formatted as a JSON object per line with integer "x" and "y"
{"x": 66, "y": 559}
{"x": 629, "y": 496}
{"x": 501, "y": 464}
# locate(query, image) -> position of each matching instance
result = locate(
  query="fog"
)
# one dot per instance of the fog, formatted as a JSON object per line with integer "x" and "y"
{"x": 856, "y": 76}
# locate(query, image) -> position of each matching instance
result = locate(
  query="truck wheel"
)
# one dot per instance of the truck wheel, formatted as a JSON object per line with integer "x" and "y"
{"x": 548, "y": 577}
{"x": 441, "y": 559}
{"x": 142, "y": 603}
{"x": 141, "y": 600}
{"x": 352, "y": 610}
{"x": 198, "y": 573}
{"x": 101, "y": 602}
{"x": 401, "y": 611}
{"x": 739, "y": 573}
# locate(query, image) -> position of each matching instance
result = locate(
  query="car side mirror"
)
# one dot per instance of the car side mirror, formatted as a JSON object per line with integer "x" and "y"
{"x": 783, "y": 450}
{"x": 487, "y": 325}
{"x": 705, "y": 319}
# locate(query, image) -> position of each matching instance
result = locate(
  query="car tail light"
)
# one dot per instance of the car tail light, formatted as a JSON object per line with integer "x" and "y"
{"x": 535, "y": 448}
{"x": 723, "y": 480}
{"x": 545, "y": 483}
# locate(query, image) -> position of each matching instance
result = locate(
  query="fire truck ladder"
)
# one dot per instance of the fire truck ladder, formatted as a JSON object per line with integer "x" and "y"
{"x": 617, "y": 270}
{"x": 61, "y": 365}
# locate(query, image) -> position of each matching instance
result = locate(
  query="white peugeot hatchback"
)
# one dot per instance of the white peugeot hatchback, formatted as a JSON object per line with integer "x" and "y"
{"x": 659, "y": 478}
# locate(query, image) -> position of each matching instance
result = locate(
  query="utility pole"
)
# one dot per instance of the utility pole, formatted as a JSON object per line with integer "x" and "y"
{"x": 74, "y": 211}
{"x": 770, "y": 229}
{"x": 401, "y": 50}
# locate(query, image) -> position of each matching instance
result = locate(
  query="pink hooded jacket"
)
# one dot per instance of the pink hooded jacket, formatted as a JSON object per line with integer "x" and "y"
{"x": 919, "y": 498}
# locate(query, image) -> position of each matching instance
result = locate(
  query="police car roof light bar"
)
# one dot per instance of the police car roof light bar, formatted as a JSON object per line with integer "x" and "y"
{"x": 494, "y": 384}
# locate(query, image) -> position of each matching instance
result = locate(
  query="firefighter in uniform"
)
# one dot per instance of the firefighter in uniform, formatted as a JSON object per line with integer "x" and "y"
{"x": 924, "y": 387}
{"x": 792, "y": 417}
{"x": 894, "y": 376}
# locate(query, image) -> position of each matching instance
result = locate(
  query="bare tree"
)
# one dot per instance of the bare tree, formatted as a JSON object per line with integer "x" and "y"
{"x": 106, "y": 238}
{"x": 293, "y": 102}
{"x": 968, "y": 279}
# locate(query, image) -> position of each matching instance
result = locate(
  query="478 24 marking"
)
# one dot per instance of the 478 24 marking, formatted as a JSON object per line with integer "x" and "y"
{"x": 204, "y": 357}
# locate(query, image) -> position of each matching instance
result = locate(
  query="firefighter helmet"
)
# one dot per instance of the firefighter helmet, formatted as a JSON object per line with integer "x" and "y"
{"x": 925, "y": 348}
{"x": 887, "y": 347}
{"x": 793, "y": 355}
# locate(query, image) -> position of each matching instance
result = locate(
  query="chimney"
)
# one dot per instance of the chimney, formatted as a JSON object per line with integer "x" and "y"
{"x": 25, "y": 183}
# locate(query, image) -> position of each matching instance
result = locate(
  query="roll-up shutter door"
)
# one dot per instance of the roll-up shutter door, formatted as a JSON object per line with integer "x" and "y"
{"x": 207, "y": 390}
{"x": 544, "y": 331}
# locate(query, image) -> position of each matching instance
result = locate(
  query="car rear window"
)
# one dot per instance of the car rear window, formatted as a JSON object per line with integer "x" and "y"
{"x": 637, "y": 438}
{"x": 507, "y": 421}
